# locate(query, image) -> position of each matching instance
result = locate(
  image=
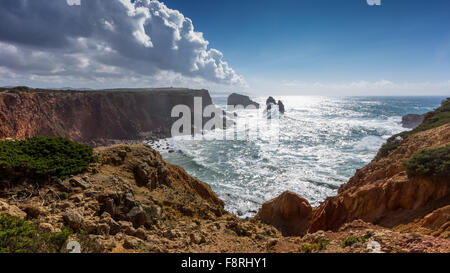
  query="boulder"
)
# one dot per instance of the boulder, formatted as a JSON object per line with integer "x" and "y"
{"x": 411, "y": 121}
{"x": 90, "y": 226}
{"x": 46, "y": 227}
{"x": 11, "y": 210}
{"x": 114, "y": 227}
{"x": 289, "y": 213}
{"x": 144, "y": 174}
{"x": 137, "y": 216}
{"x": 237, "y": 99}
{"x": 78, "y": 182}
{"x": 127, "y": 227}
{"x": 132, "y": 242}
{"x": 197, "y": 238}
{"x": 73, "y": 219}
{"x": 103, "y": 229}
{"x": 33, "y": 210}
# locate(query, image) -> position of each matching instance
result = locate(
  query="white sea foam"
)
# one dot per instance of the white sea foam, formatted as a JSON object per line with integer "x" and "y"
{"x": 323, "y": 140}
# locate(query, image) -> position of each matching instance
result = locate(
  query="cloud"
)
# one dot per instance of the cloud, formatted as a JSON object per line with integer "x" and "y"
{"x": 105, "y": 40}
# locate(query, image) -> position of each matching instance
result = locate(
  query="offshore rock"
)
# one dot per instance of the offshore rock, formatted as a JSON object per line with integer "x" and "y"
{"x": 237, "y": 99}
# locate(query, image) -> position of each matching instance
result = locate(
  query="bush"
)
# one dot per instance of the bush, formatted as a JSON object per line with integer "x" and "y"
{"x": 388, "y": 147}
{"x": 16, "y": 235}
{"x": 49, "y": 157}
{"x": 434, "y": 162}
{"x": 351, "y": 240}
{"x": 320, "y": 245}
{"x": 20, "y": 236}
{"x": 433, "y": 119}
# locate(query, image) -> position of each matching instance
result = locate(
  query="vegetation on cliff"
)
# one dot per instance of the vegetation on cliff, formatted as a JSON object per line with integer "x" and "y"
{"x": 20, "y": 236}
{"x": 435, "y": 162}
{"x": 433, "y": 119}
{"x": 48, "y": 157}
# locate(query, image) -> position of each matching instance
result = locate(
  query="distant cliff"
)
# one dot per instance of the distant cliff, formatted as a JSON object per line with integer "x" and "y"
{"x": 92, "y": 117}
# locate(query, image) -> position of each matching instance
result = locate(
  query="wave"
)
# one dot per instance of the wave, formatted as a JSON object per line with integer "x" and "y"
{"x": 322, "y": 142}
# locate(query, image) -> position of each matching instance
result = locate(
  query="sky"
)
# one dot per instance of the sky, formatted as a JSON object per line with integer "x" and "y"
{"x": 288, "y": 47}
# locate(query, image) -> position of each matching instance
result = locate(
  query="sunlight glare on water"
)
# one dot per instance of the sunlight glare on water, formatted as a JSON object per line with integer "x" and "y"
{"x": 323, "y": 140}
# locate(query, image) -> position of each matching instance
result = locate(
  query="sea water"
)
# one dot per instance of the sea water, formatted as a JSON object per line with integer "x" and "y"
{"x": 322, "y": 142}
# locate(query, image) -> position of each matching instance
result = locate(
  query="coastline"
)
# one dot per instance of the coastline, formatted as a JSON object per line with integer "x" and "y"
{"x": 131, "y": 200}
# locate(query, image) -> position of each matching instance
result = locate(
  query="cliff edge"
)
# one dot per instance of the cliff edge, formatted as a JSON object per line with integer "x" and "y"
{"x": 94, "y": 118}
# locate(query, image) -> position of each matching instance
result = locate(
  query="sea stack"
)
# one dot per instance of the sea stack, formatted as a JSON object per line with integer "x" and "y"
{"x": 271, "y": 101}
{"x": 238, "y": 99}
{"x": 281, "y": 107}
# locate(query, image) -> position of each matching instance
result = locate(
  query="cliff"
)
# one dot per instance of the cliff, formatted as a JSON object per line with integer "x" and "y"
{"x": 130, "y": 200}
{"x": 405, "y": 188}
{"x": 92, "y": 117}
{"x": 382, "y": 193}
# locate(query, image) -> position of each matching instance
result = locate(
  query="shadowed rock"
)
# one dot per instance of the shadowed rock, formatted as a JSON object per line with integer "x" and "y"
{"x": 289, "y": 213}
{"x": 281, "y": 108}
{"x": 411, "y": 121}
{"x": 237, "y": 99}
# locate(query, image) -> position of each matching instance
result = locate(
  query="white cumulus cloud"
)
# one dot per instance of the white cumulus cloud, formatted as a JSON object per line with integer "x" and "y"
{"x": 106, "y": 40}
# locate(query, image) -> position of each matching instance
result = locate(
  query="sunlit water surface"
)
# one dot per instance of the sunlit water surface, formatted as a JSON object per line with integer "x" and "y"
{"x": 323, "y": 141}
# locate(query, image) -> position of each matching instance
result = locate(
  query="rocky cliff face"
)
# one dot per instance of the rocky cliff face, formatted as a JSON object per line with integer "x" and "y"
{"x": 133, "y": 201}
{"x": 92, "y": 117}
{"x": 382, "y": 192}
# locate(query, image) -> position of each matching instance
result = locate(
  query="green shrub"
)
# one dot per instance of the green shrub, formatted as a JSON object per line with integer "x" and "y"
{"x": 434, "y": 119}
{"x": 320, "y": 245}
{"x": 57, "y": 240}
{"x": 351, "y": 240}
{"x": 20, "y": 236}
{"x": 434, "y": 162}
{"x": 49, "y": 157}
{"x": 388, "y": 147}
{"x": 16, "y": 235}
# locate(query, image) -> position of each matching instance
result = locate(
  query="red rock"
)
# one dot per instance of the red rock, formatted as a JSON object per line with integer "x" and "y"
{"x": 288, "y": 212}
{"x": 93, "y": 118}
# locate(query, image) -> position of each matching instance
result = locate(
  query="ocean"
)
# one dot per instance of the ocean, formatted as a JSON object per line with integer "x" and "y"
{"x": 322, "y": 142}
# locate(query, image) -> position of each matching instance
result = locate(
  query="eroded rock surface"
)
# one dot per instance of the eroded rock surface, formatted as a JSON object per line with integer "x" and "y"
{"x": 95, "y": 118}
{"x": 289, "y": 212}
{"x": 412, "y": 120}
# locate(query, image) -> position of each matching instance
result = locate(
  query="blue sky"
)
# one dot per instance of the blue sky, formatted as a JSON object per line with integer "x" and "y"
{"x": 328, "y": 41}
{"x": 313, "y": 47}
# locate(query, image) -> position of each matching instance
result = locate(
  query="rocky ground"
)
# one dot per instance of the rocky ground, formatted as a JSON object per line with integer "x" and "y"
{"x": 132, "y": 201}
